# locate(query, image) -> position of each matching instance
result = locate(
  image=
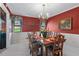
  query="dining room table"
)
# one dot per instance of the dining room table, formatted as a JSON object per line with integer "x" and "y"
{"x": 45, "y": 42}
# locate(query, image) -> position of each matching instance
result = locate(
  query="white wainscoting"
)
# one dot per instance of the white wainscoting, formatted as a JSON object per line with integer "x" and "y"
{"x": 18, "y": 37}
{"x": 71, "y": 46}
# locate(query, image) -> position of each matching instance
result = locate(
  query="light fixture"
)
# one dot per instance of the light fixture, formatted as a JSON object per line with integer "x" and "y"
{"x": 44, "y": 15}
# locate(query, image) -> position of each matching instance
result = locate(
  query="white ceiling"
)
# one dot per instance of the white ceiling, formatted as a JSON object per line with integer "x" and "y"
{"x": 34, "y": 9}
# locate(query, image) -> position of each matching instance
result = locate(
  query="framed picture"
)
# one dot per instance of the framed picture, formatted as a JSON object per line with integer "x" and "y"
{"x": 66, "y": 24}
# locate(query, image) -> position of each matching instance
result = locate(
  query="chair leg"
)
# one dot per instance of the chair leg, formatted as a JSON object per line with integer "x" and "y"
{"x": 53, "y": 53}
{"x": 30, "y": 51}
{"x": 33, "y": 53}
{"x": 46, "y": 51}
{"x": 61, "y": 53}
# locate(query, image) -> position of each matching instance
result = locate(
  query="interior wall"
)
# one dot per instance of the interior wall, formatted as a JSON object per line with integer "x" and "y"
{"x": 18, "y": 37}
{"x": 8, "y": 26}
{"x": 71, "y": 45}
{"x": 30, "y": 24}
{"x": 53, "y": 22}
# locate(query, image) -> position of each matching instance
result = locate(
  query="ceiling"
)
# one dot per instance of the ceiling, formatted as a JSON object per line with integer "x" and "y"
{"x": 34, "y": 9}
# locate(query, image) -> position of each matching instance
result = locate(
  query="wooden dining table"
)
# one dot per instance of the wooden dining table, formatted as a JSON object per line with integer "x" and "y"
{"x": 45, "y": 42}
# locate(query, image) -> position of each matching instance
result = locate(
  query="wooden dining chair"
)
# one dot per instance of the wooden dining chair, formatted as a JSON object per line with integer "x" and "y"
{"x": 30, "y": 42}
{"x": 58, "y": 46}
{"x": 29, "y": 38}
{"x": 34, "y": 48}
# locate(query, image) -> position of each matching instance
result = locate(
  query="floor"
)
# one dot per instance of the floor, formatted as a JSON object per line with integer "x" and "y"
{"x": 20, "y": 49}
{"x": 2, "y": 50}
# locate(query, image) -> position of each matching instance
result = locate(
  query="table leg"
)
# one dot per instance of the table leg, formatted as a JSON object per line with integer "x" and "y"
{"x": 46, "y": 49}
{"x": 41, "y": 50}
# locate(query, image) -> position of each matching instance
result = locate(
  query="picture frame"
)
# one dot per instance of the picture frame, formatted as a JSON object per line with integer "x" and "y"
{"x": 65, "y": 24}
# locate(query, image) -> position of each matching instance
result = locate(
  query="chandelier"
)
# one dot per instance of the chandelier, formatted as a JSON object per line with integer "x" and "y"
{"x": 44, "y": 14}
{"x": 43, "y": 17}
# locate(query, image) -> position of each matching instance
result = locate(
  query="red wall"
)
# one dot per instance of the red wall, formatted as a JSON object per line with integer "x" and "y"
{"x": 30, "y": 24}
{"x": 53, "y": 22}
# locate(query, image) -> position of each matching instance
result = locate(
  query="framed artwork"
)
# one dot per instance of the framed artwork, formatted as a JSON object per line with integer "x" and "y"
{"x": 66, "y": 24}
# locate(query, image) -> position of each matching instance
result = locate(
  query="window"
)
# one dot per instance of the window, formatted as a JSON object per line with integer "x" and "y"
{"x": 17, "y": 24}
{"x": 17, "y": 29}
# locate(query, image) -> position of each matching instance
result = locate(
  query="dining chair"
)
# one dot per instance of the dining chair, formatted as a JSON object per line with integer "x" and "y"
{"x": 34, "y": 50}
{"x": 30, "y": 42}
{"x": 58, "y": 46}
{"x": 34, "y": 46}
{"x": 49, "y": 47}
